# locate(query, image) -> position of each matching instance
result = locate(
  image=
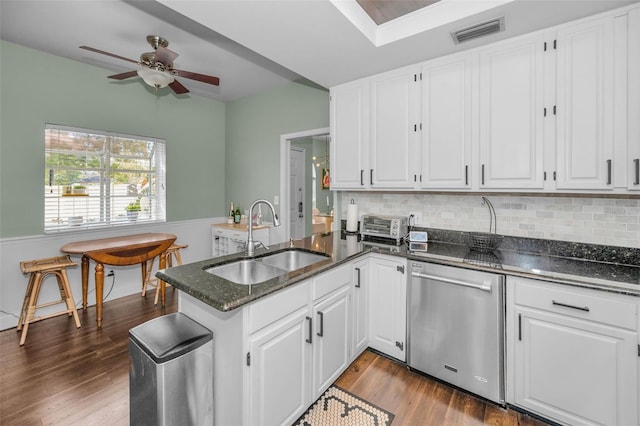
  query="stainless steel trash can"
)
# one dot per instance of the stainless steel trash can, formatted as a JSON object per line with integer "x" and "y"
{"x": 171, "y": 372}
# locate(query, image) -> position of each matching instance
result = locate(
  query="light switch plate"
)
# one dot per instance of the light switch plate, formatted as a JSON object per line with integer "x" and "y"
{"x": 276, "y": 200}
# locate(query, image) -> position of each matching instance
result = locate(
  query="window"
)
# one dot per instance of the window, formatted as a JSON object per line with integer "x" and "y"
{"x": 99, "y": 179}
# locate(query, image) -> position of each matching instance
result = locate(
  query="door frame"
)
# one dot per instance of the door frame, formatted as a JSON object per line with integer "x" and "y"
{"x": 282, "y": 233}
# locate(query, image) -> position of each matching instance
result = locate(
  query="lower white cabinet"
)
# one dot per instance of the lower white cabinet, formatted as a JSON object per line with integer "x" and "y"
{"x": 298, "y": 345}
{"x": 572, "y": 353}
{"x": 360, "y": 303}
{"x": 388, "y": 305}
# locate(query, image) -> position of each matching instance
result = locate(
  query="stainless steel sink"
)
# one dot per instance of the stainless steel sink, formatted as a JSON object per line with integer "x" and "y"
{"x": 258, "y": 270}
{"x": 246, "y": 272}
{"x": 291, "y": 260}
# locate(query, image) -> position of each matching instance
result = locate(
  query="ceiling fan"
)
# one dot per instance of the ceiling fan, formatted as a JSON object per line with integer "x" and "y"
{"x": 157, "y": 67}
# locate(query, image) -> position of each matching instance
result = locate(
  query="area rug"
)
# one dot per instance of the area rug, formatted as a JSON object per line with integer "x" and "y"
{"x": 339, "y": 407}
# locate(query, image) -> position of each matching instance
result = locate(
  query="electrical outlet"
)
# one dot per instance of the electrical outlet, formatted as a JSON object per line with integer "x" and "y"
{"x": 417, "y": 218}
{"x": 276, "y": 200}
{"x": 111, "y": 273}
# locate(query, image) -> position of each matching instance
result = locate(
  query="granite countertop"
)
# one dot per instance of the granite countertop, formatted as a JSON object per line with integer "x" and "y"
{"x": 238, "y": 226}
{"x": 340, "y": 248}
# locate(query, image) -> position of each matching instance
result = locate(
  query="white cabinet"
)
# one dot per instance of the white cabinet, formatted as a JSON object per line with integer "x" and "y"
{"x": 360, "y": 302}
{"x": 633, "y": 90}
{"x": 511, "y": 114}
{"x": 331, "y": 348}
{"x": 298, "y": 345}
{"x": 445, "y": 138}
{"x": 393, "y": 129}
{"x": 585, "y": 89}
{"x": 572, "y": 353}
{"x": 279, "y": 371}
{"x": 228, "y": 238}
{"x": 388, "y": 306}
{"x": 350, "y": 129}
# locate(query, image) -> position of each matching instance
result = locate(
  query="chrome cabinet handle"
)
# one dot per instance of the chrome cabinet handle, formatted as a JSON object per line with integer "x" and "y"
{"x": 321, "y": 332}
{"x": 564, "y": 305}
{"x": 371, "y": 176}
{"x": 361, "y": 177}
{"x": 483, "y": 174}
{"x": 466, "y": 175}
{"x": 483, "y": 287}
{"x": 608, "y": 172}
{"x": 636, "y": 162}
{"x": 358, "y": 279}
{"x": 309, "y": 340}
{"x": 519, "y": 327}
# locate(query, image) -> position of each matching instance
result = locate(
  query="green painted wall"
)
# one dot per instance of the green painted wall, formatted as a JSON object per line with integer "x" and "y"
{"x": 37, "y": 88}
{"x": 254, "y": 126}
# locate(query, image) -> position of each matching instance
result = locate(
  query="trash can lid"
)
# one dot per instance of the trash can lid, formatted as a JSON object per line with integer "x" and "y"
{"x": 170, "y": 336}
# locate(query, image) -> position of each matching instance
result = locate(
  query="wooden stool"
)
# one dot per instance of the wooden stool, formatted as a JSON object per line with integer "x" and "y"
{"x": 172, "y": 253}
{"x": 39, "y": 270}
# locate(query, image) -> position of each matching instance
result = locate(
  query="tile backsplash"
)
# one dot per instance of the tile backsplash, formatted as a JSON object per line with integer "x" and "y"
{"x": 609, "y": 221}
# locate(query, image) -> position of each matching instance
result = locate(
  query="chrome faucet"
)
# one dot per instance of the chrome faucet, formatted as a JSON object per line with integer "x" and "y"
{"x": 251, "y": 245}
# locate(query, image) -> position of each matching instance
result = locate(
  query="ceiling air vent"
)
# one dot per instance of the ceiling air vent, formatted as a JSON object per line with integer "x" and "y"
{"x": 486, "y": 28}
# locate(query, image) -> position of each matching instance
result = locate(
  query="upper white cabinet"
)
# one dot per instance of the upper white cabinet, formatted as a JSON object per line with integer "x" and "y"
{"x": 633, "y": 90}
{"x": 511, "y": 114}
{"x": 585, "y": 95}
{"x": 394, "y": 129}
{"x": 350, "y": 130}
{"x": 445, "y": 137}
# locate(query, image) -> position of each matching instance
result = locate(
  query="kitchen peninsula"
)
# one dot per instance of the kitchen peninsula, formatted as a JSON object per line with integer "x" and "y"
{"x": 272, "y": 357}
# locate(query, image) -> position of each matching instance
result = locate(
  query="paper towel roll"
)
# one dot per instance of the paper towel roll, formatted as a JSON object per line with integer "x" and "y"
{"x": 352, "y": 244}
{"x": 352, "y": 217}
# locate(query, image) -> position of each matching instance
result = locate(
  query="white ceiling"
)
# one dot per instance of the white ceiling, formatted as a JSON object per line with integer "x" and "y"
{"x": 253, "y": 45}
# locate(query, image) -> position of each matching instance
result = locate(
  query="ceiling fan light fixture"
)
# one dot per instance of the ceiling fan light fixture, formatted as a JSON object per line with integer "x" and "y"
{"x": 155, "y": 78}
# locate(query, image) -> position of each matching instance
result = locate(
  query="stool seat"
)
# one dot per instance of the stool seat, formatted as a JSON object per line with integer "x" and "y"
{"x": 39, "y": 269}
{"x": 173, "y": 252}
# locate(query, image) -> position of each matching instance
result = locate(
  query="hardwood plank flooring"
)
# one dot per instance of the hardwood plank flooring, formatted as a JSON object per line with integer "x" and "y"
{"x": 68, "y": 376}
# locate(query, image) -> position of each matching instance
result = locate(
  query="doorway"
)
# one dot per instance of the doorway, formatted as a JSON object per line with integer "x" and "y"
{"x": 323, "y": 199}
{"x": 297, "y": 191}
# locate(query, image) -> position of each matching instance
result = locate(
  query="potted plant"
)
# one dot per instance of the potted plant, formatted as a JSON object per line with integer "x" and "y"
{"x": 79, "y": 189}
{"x": 132, "y": 210}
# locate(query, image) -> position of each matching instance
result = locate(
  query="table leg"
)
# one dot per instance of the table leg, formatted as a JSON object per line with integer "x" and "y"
{"x": 163, "y": 265}
{"x": 99, "y": 291}
{"x": 85, "y": 281}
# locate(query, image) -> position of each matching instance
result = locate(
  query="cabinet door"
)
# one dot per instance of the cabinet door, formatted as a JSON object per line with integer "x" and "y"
{"x": 279, "y": 371}
{"x": 585, "y": 105}
{"x": 360, "y": 300}
{"x": 394, "y": 129}
{"x": 575, "y": 371}
{"x": 511, "y": 114}
{"x": 388, "y": 307}
{"x": 350, "y": 122}
{"x": 445, "y": 139}
{"x": 331, "y": 354}
{"x": 633, "y": 73}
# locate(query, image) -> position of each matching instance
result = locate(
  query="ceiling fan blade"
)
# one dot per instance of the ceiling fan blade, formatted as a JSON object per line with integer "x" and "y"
{"x": 178, "y": 88}
{"x": 165, "y": 56}
{"x": 209, "y": 79}
{"x": 124, "y": 75}
{"x": 102, "y": 52}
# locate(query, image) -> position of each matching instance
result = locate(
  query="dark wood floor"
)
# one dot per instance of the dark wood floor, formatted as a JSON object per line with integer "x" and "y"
{"x": 68, "y": 376}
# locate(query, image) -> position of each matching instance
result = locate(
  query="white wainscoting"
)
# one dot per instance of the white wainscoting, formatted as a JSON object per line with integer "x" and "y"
{"x": 195, "y": 233}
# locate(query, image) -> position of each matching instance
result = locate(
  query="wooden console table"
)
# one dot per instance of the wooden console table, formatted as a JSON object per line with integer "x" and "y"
{"x": 117, "y": 251}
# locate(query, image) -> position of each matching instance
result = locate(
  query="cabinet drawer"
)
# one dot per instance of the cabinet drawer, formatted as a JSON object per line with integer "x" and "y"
{"x": 272, "y": 308}
{"x": 592, "y": 305}
{"x": 330, "y": 281}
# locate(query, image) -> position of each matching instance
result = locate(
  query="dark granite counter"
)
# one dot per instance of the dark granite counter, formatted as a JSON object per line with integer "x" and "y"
{"x": 225, "y": 295}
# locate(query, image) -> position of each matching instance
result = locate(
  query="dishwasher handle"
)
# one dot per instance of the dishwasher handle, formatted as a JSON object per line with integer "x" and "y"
{"x": 483, "y": 287}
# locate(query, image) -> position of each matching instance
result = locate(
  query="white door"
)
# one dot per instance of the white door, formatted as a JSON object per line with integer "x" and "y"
{"x": 585, "y": 105}
{"x": 394, "y": 129}
{"x": 297, "y": 192}
{"x": 360, "y": 301}
{"x": 511, "y": 114}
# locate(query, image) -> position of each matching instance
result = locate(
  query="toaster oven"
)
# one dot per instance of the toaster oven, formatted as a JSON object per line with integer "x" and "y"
{"x": 388, "y": 227}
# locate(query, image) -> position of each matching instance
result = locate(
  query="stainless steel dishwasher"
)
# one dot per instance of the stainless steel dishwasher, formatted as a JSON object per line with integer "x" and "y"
{"x": 456, "y": 327}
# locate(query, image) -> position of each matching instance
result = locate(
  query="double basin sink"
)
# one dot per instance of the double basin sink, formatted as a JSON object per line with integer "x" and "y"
{"x": 261, "y": 269}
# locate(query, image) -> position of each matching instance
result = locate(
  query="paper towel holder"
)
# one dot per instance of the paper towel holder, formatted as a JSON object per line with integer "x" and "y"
{"x": 347, "y": 227}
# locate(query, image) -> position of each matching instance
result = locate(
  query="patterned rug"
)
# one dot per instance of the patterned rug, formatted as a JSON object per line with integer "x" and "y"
{"x": 339, "y": 407}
